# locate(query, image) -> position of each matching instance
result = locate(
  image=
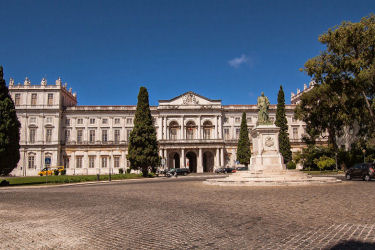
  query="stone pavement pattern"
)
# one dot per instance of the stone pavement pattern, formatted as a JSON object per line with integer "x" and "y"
{"x": 185, "y": 214}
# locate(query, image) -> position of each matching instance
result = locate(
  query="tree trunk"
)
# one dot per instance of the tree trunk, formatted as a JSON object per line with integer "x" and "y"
{"x": 368, "y": 106}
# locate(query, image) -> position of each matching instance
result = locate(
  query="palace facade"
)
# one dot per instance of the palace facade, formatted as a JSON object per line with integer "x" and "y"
{"x": 193, "y": 131}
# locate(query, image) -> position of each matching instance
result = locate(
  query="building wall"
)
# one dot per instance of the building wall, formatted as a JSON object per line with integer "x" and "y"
{"x": 195, "y": 131}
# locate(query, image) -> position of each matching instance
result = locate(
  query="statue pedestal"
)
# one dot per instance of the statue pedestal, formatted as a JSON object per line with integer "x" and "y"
{"x": 266, "y": 155}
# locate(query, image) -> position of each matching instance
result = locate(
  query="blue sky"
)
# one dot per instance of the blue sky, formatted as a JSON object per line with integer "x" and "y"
{"x": 229, "y": 50}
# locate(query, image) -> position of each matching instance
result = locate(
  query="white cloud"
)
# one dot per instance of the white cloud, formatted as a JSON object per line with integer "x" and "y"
{"x": 237, "y": 61}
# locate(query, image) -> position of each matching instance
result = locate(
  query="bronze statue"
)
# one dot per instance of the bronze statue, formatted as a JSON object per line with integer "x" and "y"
{"x": 263, "y": 105}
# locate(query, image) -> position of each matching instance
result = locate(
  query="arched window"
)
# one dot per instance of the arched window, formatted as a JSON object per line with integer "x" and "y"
{"x": 173, "y": 130}
{"x": 190, "y": 130}
{"x": 207, "y": 130}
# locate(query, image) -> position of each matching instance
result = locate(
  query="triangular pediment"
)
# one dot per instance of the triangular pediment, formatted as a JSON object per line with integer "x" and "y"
{"x": 189, "y": 99}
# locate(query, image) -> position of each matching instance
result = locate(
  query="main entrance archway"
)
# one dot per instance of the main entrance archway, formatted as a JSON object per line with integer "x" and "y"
{"x": 174, "y": 160}
{"x": 208, "y": 162}
{"x": 192, "y": 161}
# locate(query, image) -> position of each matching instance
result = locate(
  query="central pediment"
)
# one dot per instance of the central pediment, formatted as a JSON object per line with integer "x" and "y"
{"x": 189, "y": 99}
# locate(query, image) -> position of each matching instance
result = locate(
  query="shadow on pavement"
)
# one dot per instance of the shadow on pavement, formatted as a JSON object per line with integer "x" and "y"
{"x": 353, "y": 244}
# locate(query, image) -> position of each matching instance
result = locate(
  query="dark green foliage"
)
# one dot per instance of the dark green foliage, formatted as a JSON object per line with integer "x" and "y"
{"x": 143, "y": 147}
{"x": 56, "y": 172}
{"x": 4, "y": 183}
{"x": 291, "y": 165}
{"x": 63, "y": 172}
{"x": 282, "y": 123}
{"x": 9, "y": 130}
{"x": 128, "y": 170}
{"x": 243, "y": 147}
{"x": 121, "y": 171}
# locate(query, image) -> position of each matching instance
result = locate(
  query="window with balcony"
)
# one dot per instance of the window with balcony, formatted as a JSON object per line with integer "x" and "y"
{"x": 17, "y": 99}
{"x": 32, "y": 133}
{"x": 104, "y": 162}
{"x": 80, "y": 121}
{"x": 237, "y": 119}
{"x": 248, "y": 119}
{"x": 48, "y": 134}
{"x": 105, "y": 121}
{"x": 129, "y": 120}
{"x": 92, "y": 136}
{"x": 92, "y": 120}
{"x": 173, "y": 130}
{"x": 104, "y": 135}
{"x": 117, "y": 135}
{"x": 79, "y": 162}
{"x": 207, "y": 130}
{"x": 31, "y": 161}
{"x": 33, "y": 99}
{"x": 50, "y": 100}
{"x": 190, "y": 130}
{"x": 79, "y": 135}
{"x": 116, "y": 161}
{"x": 91, "y": 161}
{"x": 226, "y": 134}
{"x": 295, "y": 133}
{"x": 117, "y": 120}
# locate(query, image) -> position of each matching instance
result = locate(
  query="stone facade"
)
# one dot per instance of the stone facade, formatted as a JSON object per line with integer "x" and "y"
{"x": 193, "y": 131}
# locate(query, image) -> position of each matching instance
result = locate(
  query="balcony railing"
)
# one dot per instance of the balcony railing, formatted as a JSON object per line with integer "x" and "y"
{"x": 94, "y": 143}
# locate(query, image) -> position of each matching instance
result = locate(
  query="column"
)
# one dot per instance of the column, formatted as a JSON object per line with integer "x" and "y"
{"x": 160, "y": 129}
{"x": 72, "y": 164}
{"x": 97, "y": 163}
{"x": 199, "y": 163}
{"x": 164, "y": 128}
{"x": 222, "y": 157}
{"x": 199, "y": 128}
{"x": 217, "y": 163}
{"x": 216, "y": 129}
{"x": 220, "y": 128}
{"x": 182, "y": 158}
{"x": 85, "y": 162}
{"x": 123, "y": 159}
{"x": 182, "y": 128}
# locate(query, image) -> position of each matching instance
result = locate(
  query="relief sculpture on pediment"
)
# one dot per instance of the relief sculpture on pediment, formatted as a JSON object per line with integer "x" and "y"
{"x": 189, "y": 99}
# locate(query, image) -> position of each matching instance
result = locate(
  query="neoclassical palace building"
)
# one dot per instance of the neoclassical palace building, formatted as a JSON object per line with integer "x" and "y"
{"x": 193, "y": 131}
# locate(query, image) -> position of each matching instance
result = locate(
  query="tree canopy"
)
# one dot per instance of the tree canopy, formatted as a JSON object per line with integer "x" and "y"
{"x": 9, "y": 130}
{"x": 243, "y": 147}
{"x": 282, "y": 123}
{"x": 345, "y": 77}
{"x": 143, "y": 146}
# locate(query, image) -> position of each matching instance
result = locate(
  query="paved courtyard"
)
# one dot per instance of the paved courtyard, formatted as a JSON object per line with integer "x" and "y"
{"x": 183, "y": 213}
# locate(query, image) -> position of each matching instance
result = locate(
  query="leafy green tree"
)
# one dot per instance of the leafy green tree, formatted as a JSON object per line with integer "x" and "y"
{"x": 282, "y": 123}
{"x": 243, "y": 147}
{"x": 143, "y": 146}
{"x": 324, "y": 162}
{"x": 9, "y": 130}
{"x": 347, "y": 67}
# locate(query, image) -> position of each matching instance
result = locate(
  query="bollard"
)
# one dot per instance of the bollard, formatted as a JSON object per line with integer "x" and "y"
{"x": 98, "y": 177}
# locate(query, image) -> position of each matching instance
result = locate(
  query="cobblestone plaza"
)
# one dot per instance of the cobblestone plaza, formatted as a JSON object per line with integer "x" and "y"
{"x": 183, "y": 213}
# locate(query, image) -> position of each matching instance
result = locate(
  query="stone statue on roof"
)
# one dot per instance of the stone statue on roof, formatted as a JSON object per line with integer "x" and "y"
{"x": 263, "y": 105}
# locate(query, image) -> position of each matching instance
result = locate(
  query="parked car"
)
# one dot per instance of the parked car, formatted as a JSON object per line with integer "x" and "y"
{"x": 366, "y": 171}
{"x": 161, "y": 172}
{"x": 225, "y": 170}
{"x": 241, "y": 168}
{"x": 179, "y": 171}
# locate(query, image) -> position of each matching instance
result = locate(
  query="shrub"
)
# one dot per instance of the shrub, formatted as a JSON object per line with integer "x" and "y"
{"x": 63, "y": 172}
{"x": 291, "y": 165}
{"x": 56, "y": 172}
{"x": 4, "y": 183}
{"x": 121, "y": 171}
{"x": 324, "y": 162}
{"x": 128, "y": 170}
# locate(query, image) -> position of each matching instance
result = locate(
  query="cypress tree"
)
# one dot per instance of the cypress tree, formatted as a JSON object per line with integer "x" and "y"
{"x": 243, "y": 147}
{"x": 9, "y": 130}
{"x": 143, "y": 146}
{"x": 282, "y": 123}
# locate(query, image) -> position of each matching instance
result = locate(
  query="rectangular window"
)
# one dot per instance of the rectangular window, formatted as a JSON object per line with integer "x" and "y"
{"x": 66, "y": 162}
{"x": 92, "y": 120}
{"x": 207, "y": 133}
{"x": 117, "y": 161}
{"x": 67, "y": 135}
{"x": 79, "y": 162}
{"x": 237, "y": 133}
{"x": 50, "y": 100}
{"x": 117, "y": 136}
{"x": 67, "y": 122}
{"x": 79, "y": 135}
{"x": 104, "y": 135}
{"x": 32, "y": 135}
{"x": 173, "y": 134}
{"x": 117, "y": 120}
{"x": 226, "y": 134}
{"x": 92, "y": 136}
{"x": 104, "y": 161}
{"x": 237, "y": 120}
{"x": 248, "y": 119}
{"x": 105, "y": 121}
{"x": 189, "y": 133}
{"x": 79, "y": 121}
{"x": 128, "y": 134}
{"x": 17, "y": 99}
{"x": 129, "y": 120}
{"x": 295, "y": 133}
{"x": 49, "y": 135}
{"x": 31, "y": 161}
{"x": 33, "y": 99}
{"x": 91, "y": 161}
